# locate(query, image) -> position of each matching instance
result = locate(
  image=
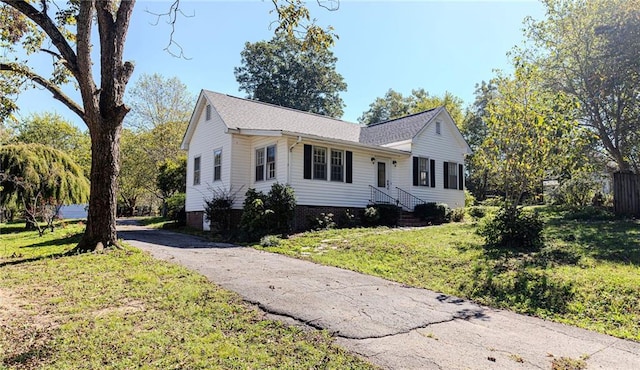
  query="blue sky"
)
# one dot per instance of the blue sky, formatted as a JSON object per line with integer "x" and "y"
{"x": 436, "y": 45}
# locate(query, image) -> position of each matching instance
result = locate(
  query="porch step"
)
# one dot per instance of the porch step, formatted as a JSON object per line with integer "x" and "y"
{"x": 407, "y": 219}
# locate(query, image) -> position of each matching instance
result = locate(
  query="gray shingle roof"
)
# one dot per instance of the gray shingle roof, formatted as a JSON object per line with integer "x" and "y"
{"x": 254, "y": 115}
{"x": 238, "y": 113}
{"x": 399, "y": 129}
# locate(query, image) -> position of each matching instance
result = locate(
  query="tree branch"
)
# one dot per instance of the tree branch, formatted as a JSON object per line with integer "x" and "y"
{"x": 172, "y": 17}
{"x": 48, "y": 26}
{"x": 58, "y": 94}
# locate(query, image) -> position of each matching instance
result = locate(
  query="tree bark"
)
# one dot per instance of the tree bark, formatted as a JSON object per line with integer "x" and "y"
{"x": 105, "y": 167}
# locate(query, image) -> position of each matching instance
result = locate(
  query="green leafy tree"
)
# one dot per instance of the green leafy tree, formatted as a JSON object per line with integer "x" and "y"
{"x": 283, "y": 72}
{"x": 395, "y": 105}
{"x": 68, "y": 34}
{"x": 530, "y": 130}
{"x": 171, "y": 179}
{"x": 40, "y": 179}
{"x": 137, "y": 174}
{"x": 590, "y": 50}
{"x": 474, "y": 130}
{"x": 156, "y": 100}
{"x": 53, "y": 130}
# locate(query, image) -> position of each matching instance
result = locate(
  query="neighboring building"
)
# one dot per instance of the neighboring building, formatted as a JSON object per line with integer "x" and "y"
{"x": 236, "y": 144}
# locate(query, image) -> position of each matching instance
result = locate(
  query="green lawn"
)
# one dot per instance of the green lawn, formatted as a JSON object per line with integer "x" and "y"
{"x": 124, "y": 309}
{"x": 588, "y": 274}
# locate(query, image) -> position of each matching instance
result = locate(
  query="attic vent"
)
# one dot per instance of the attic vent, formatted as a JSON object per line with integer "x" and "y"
{"x": 208, "y": 112}
{"x": 438, "y": 128}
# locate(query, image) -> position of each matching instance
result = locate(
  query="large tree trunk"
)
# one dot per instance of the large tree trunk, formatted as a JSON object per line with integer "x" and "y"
{"x": 105, "y": 167}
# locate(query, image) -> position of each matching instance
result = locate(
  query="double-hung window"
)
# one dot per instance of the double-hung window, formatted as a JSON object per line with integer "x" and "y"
{"x": 453, "y": 175}
{"x": 260, "y": 164}
{"x": 423, "y": 171}
{"x": 319, "y": 163}
{"x": 337, "y": 165}
{"x": 266, "y": 163}
{"x": 271, "y": 162}
{"x": 217, "y": 164}
{"x": 196, "y": 171}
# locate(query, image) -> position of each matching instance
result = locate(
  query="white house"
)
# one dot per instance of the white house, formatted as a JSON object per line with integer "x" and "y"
{"x": 236, "y": 144}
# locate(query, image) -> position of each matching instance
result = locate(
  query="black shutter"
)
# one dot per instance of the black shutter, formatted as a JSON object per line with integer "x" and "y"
{"x": 460, "y": 177}
{"x": 416, "y": 171}
{"x": 307, "y": 161}
{"x": 349, "y": 167}
{"x": 446, "y": 175}
{"x": 432, "y": 171}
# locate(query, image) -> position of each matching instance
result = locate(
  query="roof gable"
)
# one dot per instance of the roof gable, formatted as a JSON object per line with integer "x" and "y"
{"x": 399, "y": 129}
{"x": 250, "y": 115}
{"x": 238, "y": 113}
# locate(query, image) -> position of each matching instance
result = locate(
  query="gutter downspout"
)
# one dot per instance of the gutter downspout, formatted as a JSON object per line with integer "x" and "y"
{"x": 289, "y": 158}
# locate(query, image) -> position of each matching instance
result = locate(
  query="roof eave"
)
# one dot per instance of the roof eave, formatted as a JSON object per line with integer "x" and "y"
{"x": 374, "y": 148}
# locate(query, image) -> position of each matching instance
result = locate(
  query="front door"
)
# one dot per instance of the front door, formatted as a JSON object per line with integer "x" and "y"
{"x": 382, "y": 177}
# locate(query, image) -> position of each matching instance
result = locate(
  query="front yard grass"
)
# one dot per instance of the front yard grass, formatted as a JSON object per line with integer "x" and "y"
{"x": 587, "y": 275}
{"x": 124, "y": 309}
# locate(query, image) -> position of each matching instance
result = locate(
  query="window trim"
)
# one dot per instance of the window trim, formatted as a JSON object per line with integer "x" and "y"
{"x": 197, "y": 171}
{"x": 217, "y": 167}
{"x": 341, "y": 165}
{"x": 265, "y": 171}
{"x": 451, "y": 176}
{"x": 425, "y": 171}
{"x": 315, "y": 163}
{"x": 267, "y": 168}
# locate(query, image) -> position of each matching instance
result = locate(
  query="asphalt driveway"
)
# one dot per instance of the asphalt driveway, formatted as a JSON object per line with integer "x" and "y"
{"x": 391, "y": 325}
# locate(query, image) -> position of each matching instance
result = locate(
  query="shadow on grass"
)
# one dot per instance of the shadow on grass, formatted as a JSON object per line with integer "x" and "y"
{"x": 614, "y": 241}
{"x": 508, "y": 279}
{"x": 13, "y": 227}
{"x": 34, "y": 259}
{"x": 28, "y": 359}
{"x": 72, "y": 239}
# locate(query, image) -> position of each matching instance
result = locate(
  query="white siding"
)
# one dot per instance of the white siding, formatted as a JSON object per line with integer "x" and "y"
{"x": 332, "y": 193}
{"x": 208, "y": 136}
{"x": 242, "y": 172}
{"x": 444, "y": 147}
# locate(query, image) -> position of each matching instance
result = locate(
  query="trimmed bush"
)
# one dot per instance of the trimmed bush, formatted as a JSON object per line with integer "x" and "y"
{"x": 514, "y": 230}
{"x": 477, "y": 212}
{"x": 323, "y": 221}
{"x": 218, "y": 210}
{"x": 268, "y": 214}
{"x": 457, "y": 215}
{"x": 175, "y": 209}
{"x": 381, "y": 215}
{"x": 434, "y": 213}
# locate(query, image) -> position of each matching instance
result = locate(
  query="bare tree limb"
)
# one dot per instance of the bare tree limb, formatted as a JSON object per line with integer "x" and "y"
{"x": 58, "y": 94}
{"x": 43, "y": 21}
{"x": 172, "y": 18}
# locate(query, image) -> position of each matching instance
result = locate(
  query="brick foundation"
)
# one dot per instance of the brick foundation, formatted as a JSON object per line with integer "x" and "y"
{"x": 194, "y": 219}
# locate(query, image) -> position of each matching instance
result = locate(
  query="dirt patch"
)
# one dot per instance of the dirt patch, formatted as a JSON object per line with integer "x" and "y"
{"x": 24, "y": 333}
{"x": 126, "y": 307}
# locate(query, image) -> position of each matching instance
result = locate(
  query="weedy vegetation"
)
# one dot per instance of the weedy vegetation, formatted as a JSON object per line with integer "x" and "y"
{"x": 586, "y": 273}
{"x": 124, "y": 309}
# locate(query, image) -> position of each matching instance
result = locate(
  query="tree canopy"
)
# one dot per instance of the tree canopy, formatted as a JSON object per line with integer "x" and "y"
{"x": 395, "y": 105}
{"x": 72, "y": 34}
{"x": 156, "y": 100}
{"x": 590, "y": 50}
{"x": 530, "y": 132}
{"x": 283, "y": 72}
{"x": 31, "y": 169}
{"x": 51, "y": 129}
